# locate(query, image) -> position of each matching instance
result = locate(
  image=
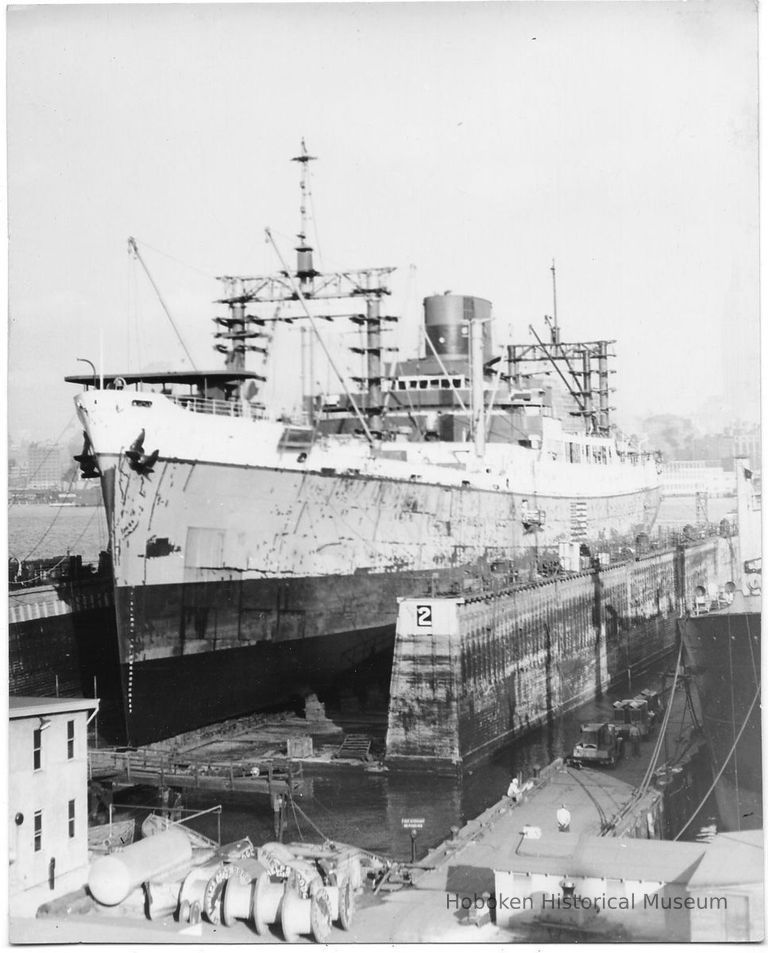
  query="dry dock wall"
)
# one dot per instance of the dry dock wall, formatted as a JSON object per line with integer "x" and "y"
{"x": 472, "y": 672}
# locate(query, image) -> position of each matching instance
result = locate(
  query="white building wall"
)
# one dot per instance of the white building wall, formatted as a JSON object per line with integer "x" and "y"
{"x": 49, "y": 790}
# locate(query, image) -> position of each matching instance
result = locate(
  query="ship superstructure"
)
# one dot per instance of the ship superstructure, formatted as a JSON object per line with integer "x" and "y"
{"x": 257, "y": 558}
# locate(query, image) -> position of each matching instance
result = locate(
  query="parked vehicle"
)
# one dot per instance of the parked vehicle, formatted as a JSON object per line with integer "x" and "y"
{"x": 599, "y": 744}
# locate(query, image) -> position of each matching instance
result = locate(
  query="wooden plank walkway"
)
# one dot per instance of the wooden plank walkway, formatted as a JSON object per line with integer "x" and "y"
{"x": 132, "y": 767}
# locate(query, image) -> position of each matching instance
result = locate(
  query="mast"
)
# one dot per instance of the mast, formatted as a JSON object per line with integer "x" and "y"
{"x": 477, "y": 376}
{"x": 307, "y": 284}
{"x": 555, "y": 328}
{"x": 305, "y": 270}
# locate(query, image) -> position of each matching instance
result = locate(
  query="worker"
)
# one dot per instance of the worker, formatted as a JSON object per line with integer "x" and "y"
{"x": 278, "y": 815}
{"x": 563, "y": 818}
{"x": 634, "y": 737}
{"x": 513, "y": 791}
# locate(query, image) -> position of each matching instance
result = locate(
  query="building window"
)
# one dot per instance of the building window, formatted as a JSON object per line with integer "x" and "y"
{"x": 37, "y": 745}
{"x": 38, "y": 830}
{"x": 70, "y": 740}
{"x": 71, "y": 818}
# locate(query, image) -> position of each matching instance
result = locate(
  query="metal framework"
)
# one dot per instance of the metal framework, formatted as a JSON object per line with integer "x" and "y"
{"x": 577, "y": 365}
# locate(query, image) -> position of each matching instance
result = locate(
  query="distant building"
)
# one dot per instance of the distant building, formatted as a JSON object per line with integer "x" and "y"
{"x": 689, "y": 477}
{"x": 47, "y": 799}
{"x": 747, "y": 444}
{"x": 44, "y": 466}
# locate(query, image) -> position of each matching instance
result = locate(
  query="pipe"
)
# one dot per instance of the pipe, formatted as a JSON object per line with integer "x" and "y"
{"x": 113, "y": 877}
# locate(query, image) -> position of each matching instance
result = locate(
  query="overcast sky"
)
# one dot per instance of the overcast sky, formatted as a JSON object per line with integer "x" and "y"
{"x": 466, "y": 144}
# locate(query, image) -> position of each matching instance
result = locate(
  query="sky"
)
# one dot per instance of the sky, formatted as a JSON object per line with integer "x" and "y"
{"x": 464, "y": 144}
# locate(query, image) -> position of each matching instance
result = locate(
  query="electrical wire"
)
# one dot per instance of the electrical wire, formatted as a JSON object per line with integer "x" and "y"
{"x": 206, "y": 273}
{"x": 722, "y": 768}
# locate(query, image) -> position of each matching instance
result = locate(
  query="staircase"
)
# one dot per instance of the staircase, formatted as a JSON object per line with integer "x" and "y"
{"x": 356, "y": 747}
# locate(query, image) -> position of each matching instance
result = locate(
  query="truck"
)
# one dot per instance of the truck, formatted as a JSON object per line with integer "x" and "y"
{"x": 599, "y": 744}
{"x": 633, "y": 711}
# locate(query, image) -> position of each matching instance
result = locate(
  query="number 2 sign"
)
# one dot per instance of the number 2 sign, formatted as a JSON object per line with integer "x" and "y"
{"x": 424, "y": 617}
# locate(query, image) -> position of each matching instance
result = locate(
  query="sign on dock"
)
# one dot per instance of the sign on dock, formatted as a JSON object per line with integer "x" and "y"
{"x": 414, "y": 823}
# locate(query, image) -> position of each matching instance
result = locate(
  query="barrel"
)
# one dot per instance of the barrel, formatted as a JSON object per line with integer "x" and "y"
{"x": 113, "y": 877}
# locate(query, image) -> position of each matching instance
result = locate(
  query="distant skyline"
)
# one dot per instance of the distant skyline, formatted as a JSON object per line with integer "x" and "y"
{"x": 465, "y": 144}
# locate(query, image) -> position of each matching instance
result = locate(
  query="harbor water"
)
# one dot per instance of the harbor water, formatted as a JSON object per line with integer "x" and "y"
{"x": 40, "y": 530}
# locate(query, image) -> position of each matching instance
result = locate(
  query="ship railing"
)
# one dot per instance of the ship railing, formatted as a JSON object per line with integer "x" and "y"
{"x": 219, "y": 408}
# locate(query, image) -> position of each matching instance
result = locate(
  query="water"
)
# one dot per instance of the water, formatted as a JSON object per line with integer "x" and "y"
{"x": 37, "y": 531}
{"x": 366, "y": 809}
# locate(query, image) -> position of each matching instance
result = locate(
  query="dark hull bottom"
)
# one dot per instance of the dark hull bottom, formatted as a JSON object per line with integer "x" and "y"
{"x": 723, "y": 655}
{"x": 173, "y": 695}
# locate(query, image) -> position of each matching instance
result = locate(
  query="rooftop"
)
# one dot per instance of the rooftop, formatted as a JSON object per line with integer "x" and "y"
{"x": 165, "y": 377}
{"x": 579, "y": 855}
{"x": 24, "y": 706}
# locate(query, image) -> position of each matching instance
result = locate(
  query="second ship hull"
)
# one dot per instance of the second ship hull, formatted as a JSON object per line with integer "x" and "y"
{"x": 724, "y": 658}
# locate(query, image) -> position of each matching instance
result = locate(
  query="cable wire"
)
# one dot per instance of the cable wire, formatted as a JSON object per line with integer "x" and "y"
{"x": 723, "y": 767}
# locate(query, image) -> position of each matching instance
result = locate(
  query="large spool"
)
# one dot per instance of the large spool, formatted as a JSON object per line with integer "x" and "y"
{"x": 113, "y": 877}
{"x": 194, "y": 887}
{"x": 342, "y": 900}
{"x": 267, "y": 900}
{"x": 299, "y": 917}
{"x": 238, "y": 901}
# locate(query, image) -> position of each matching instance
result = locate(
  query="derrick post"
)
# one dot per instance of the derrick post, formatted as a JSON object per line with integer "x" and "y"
{"x": 604, "y": 390}
{"x": 373, "y": 324}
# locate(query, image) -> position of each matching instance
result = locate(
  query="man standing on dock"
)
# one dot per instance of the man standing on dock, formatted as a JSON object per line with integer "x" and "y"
{"x": 563, "y": 818}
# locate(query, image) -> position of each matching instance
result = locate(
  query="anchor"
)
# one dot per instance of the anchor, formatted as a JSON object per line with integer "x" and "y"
{"x": 88, "y": 466}
{"x": 139, "y": 461}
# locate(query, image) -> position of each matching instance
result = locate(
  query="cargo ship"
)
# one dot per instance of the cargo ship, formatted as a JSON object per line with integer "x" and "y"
{"x": 257, "y": 558}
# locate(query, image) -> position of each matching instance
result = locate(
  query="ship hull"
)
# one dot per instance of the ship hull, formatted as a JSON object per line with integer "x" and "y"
{"x": 175, "y": 694}
{"x": 723, "y": 656}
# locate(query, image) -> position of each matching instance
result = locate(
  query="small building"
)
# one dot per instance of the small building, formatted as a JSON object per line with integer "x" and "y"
{"x": 47, "y": 799}
{"x": 732, "y": 868}
{"x": 582, "y": 887}
{"x": 620, "y": 888}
